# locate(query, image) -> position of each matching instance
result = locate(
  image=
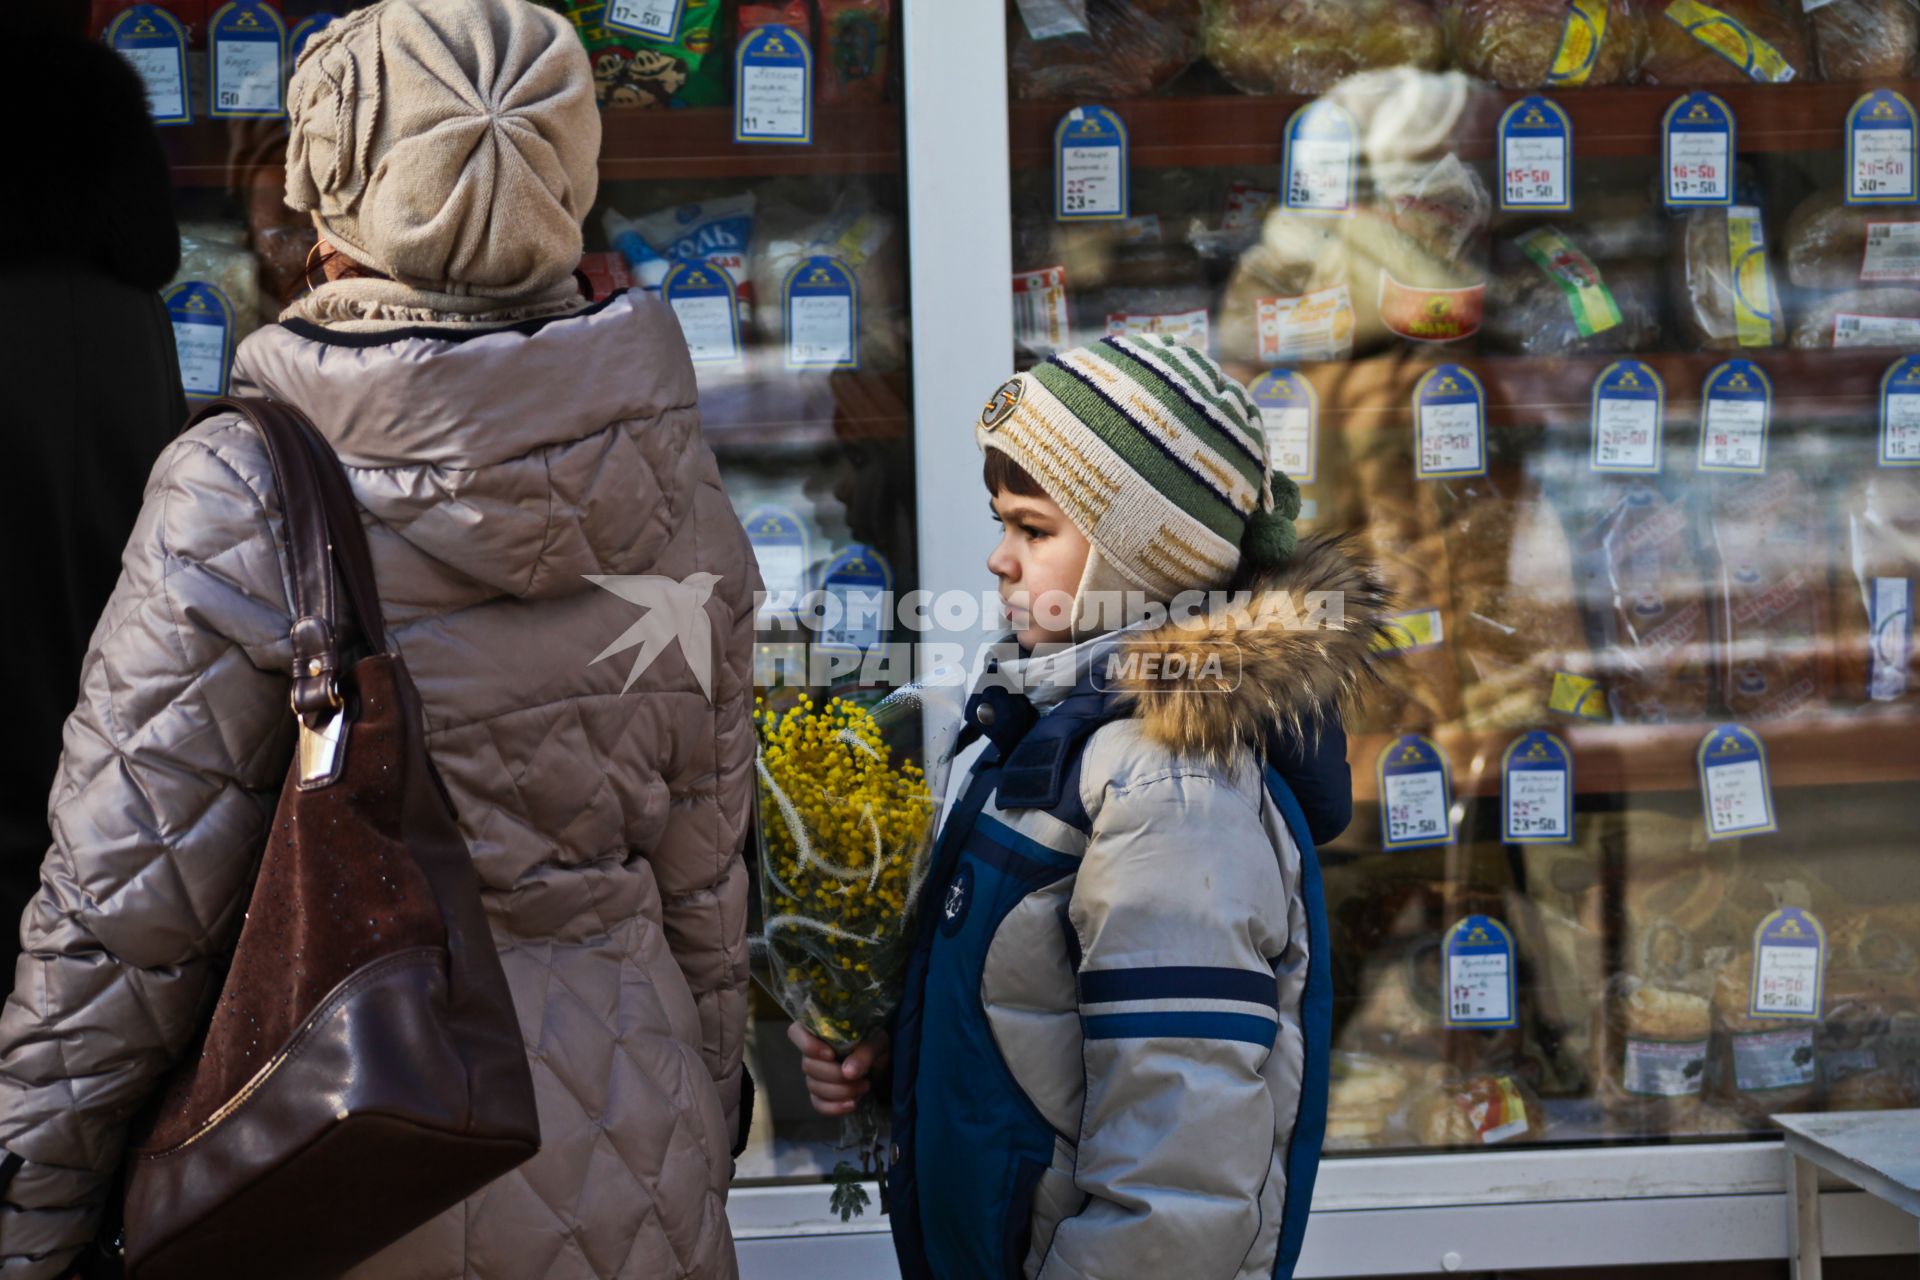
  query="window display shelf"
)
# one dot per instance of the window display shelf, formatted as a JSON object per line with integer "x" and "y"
{"x": 1832, "y": 750}
{"x": 1619, "y": 120}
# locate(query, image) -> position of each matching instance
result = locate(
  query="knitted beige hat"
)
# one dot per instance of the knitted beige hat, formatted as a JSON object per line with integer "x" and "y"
{"x": 450, "y": 144}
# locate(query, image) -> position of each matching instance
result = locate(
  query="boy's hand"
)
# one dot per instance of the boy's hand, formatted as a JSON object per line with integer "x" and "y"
{"x": 837, "y": 1085}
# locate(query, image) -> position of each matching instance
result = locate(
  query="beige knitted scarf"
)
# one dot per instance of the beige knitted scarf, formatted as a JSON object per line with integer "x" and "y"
{"x": 382, "y": 306}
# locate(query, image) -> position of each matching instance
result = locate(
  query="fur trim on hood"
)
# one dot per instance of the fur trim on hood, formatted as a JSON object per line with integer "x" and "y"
{"x": 1282, "y": 652}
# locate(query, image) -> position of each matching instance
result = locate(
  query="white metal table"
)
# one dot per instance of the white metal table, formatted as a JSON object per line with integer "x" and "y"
{"x": 1877, "y": 1151}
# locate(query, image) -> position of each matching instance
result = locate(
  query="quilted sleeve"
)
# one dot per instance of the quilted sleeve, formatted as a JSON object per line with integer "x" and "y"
{"x": 171, "y": 765}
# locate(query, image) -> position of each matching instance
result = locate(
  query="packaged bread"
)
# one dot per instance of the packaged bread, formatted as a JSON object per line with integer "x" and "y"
{"x": 1548, "y": 296}
{"x": 1760, "y": 1065}
{"x": 1654, "y": 1050}
{"x": 1692, "y": 43}
{"x": 1476, "y": 1110}
{"x": 1364, "y": 1093}
{"x": 1869, "y": 1036}
{"x": 1770, "y": 555}
{"x": 1308, "y": 46}
{"x": 1531, "y": 44}
{"x": 1648, "y": 594}
{"x": 1884, "y": 317}
{"x": 1722, "y": 280}
{"x": 1831, "y": 244}
{"x": 1865, "y": 39}
{"x": 1130, "y": 48}
{"x": 1874, "y": 584}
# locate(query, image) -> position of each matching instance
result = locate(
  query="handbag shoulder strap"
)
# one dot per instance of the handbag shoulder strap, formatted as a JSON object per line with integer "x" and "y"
{"x": 324, "y": 544}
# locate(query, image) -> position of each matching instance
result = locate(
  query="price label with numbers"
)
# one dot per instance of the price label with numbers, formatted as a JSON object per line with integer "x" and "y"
{"x": 1090, "y": 166}
{"x": 1289, "y": 413}
{"x": 653, "y": 19}
{"x": 779, "y": 540}
{"x": 202, "y": 337}
{"x": 249, "y": 43}
{"x": 1536, "y": 790}
{"x": 1480, "y": 980}
{"x": 1697, "y": 150}
{"x": 1883, "y": 155}
{"x": 1450, "y": 423}
{"x": 1536, "y": 156}
{"x": 1629, "y": 418}
{"x": 1416, "y": 794}
{"x": 822, "y": 304}
{"x": 1789, "y": 966}
{"x": 773, "y": 87}
{"x": 309, "y": 27}
{"x": 703, "y": 300}
{"x": 858, "y": 585}
{"x": 1900, "y": 414}
{"x": 1734, "y": 788}
{"x": 1319, "y": 169}
{"x": 156, "y": 44}
{"x": 1736, "y": 406}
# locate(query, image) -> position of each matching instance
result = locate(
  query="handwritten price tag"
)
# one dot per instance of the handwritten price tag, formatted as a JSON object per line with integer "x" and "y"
{"x": 1090, "y": 166}
{"x": 1480, "y": 977}
{"x": 1416, "y": 802}
{"x": 1320, "y": 165}
{"x": 1629, "y": 406}
{"x": 1450, "y": 418}
{"x": 1790, "y": 950}
{"x": 1733, "y": 781}
{"x": 1536, "y": 150}
{"x": 773, "y": 87}
{"x": 1880, "y": 150}
{"x": 1697, "y": 151}
{"x": 1900, "y": 414}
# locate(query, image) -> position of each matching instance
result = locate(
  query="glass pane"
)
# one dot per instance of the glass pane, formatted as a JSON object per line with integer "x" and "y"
{"x": 1448, "y": 246}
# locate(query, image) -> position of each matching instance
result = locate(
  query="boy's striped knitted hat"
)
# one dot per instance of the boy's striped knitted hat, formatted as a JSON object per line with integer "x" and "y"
{"x": 1155, "y": 454}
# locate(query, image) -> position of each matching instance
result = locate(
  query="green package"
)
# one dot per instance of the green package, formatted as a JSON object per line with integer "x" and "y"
{"x": 634, "y": 71}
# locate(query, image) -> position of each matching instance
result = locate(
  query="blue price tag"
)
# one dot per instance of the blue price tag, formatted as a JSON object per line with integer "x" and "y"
{"x": 1320, "y": 164}
{"x": 1900, "y": 414}
{"x": 1416, "y": 794}
{"x": 858, "y": 586}
{"x": 1697, "y": 138}
{"x": 703, "y": 300}
{"x": 1290, "y": 417}
{"x": 1536, "y": 790}
{"x": 307, "y": 30}
{"x": 1734, "y": 788}
{"x": 1478, "y": 955}
{"x": 249, "y": 59}
{"x": 1090, "y": 180}
{"x": 773, "y": 87}
{"x": 649, "y": 19}
{"x": 156, "y": 44}
{"x": 1629, "y": 419}
{"x": 1536, "y": 156}
{"x": 1736, "y": 409}
{"x": 1450, "y": 423}
{"x": 1789, "y": 966}
{"x": 1883, "y": 154}
{"x": 202, "y": 337}
{"x": 779, "y": 540}
{"x": 822, "y": 307}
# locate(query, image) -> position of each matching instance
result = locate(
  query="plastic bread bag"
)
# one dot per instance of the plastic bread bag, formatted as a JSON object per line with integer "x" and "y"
{"x": 1364, "y": 1096}
{"x": 863, "y": 236}
{"x": 1722, "y": 280}
{"x": 1647, "y": 598}
{"x": 1865, "y": 39}
{"x": 1130, "y": 48}
{"x": 1887, "y": 318}
{"x": 1877, "y": 660}
{"x": 1759, "y": 1065}
{"x": 854, "y": 38}
{"x": 635, "y": 71}
{"x": 718, "y": 232}
{"x": 1532, "y": 44}
{"x": 1547, "y": 296}
{"x": 1868, "y": 1042}
{"x": 1309, "y": 46}
{"x": 1461, "y": 1109}
{"x": 1770, "y": 556}
{"x": 1833, "y": 245}
{"x": 216, "y": 253}
{"x": 1692, "y": 43}
{"x": 1655, "y": 1039}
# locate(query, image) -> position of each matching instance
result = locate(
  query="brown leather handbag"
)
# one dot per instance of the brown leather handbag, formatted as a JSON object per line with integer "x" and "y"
{"x": 363, "y": 1069}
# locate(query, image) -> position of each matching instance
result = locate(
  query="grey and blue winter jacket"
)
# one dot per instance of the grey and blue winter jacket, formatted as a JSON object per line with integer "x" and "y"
{"x": 1111, "y": 1057}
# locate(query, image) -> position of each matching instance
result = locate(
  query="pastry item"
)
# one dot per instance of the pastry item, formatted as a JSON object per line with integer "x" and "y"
{"x": 1308, "y": 46}
{"x": 1865, "y": 39}
{"x": 1531, "y": 44}
{"x": 1833, "y": 245}
{"x": 1692, "y": 43}
{"x": 1131, "y": 49}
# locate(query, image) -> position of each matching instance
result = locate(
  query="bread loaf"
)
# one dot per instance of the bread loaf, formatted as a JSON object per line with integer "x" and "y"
{"x": 1308, "y": 46}
{"x": 1530, "y": 44}
{"x": 1768, "y": 37}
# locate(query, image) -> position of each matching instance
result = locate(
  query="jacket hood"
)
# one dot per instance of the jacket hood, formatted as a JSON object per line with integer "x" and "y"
{"x": 517, "y": 456}
{"x": 1278, "y": 656}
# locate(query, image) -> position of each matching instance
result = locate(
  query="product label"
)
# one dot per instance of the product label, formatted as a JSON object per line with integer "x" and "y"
{"x": 1410, "y": 632}
{"x": 856, "y": 584}
{"x": 1734, "y": 789}
{"x": 1450, "y": 416}
{"x": 1502, "y": 1116}
{"x": 1580, "y": 42}
{"x": 1581, "y": 697}
{"x": 1881, "y": 155}
{"x": 1578, "y": 280}
{"x": 1890, "y": 622}
{"x": 1040, "y": 320}
{"x": 1089, "y": 166}
{"x": 1629, "y": 415}
{"x": 1289, "y": 413}
{"x": 1790, "y": 956}
{"x": 249, "y": 45}
{"x": 1851, "y": 330}
{"x": 1900, "y": 414}
{"x": 1664, "y": 1068}
{"x": 1416, "y": 801}
{"x": 1536, "y": 790}
{"x": 1480, "y": 979}
{"x": 780, "y": 546}
{"x": 1319, "y": 167}
{"x": 1431, "y": 315}
{"x": 1752, "y": 289}
{"x": 1737, "y": 404}
{"x": 202, "y": 337}
{"x": 702, "y": 299}
{"x": 823, "y": 315}
{"x": 1313, "y": 326}
{"x": 1697, "y": 146}
{"x": 1188, "y": 326}
{"x": 1536, "y": 151}
{"x": 654, "y": 19}
{"x": 773, "y": 87}
{"x": 1730, "y": 38}
{"x": 1247, "y": 207}
{"x": 1893, "y": 252}
{"x": 156, "y": 44}
{"x": 1773, "y": 1060}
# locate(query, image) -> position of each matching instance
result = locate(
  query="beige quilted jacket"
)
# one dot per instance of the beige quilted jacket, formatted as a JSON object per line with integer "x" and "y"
{"x": 497, "y": 473}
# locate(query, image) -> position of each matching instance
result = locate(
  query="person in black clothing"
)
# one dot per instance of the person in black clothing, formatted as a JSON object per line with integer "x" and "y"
{"x": 89, "y": 388}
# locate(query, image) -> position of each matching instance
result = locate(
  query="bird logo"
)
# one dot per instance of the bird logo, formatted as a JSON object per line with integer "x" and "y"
{"x": 676, "y": 610}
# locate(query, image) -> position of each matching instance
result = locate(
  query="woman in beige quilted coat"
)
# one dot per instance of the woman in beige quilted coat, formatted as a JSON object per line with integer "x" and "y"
{"x": 538, "y": 498}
